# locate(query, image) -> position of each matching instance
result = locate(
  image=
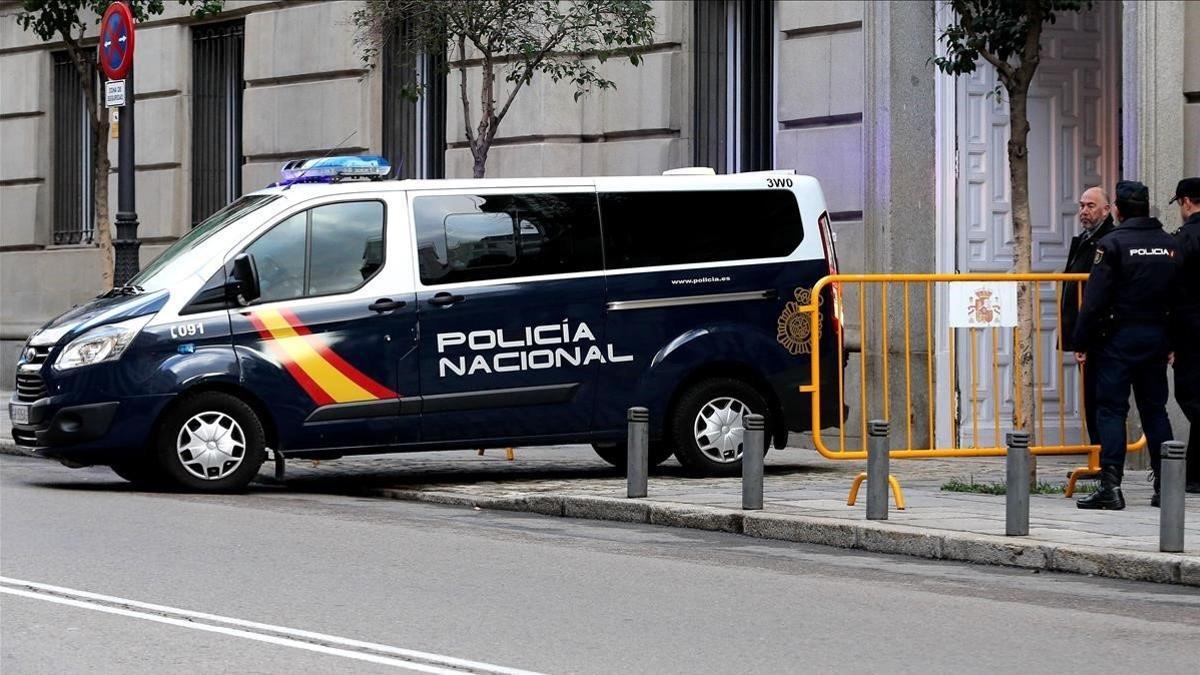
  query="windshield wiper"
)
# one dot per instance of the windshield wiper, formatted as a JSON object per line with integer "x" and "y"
{"x": 127, "y": 289}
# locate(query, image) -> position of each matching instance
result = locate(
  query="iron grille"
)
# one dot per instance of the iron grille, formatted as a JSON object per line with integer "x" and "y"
{"x": 73, "y": 205}
{"x": 217, "y": 84}
{"x": 733, "y": 72}
{"x": 414, "y": 132}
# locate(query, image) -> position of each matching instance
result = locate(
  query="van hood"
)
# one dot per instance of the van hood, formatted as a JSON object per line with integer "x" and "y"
{"x": 98, "y": 312}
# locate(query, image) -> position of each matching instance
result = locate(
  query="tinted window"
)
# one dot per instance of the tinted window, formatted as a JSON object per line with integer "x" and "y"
{"x": 279, "y": 256}
{"x": 642, "y": 229}
{"x": 474, "y": 237}
{"x": 324, "y": 250}
{"x": 347, "y": 246}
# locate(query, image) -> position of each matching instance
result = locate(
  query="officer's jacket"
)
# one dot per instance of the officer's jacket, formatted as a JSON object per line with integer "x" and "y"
{"x": 1079, "y": 261}
{"x": 1188, "y": 305}
{"x": 1133, "y": 278}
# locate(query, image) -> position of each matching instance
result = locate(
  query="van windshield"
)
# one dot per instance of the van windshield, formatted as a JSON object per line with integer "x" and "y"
{"x": 159, "y": 273}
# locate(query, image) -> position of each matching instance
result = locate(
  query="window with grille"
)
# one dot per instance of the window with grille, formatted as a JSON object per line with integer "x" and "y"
{"x": 217, "y": 84}
{"x": 733, "y": 92}
{"x": 414, "y": 132}
{"x": 73, "y": 204}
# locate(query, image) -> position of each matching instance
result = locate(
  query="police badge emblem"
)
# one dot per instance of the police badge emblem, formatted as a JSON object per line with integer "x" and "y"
{"x": 1099, "y": 256}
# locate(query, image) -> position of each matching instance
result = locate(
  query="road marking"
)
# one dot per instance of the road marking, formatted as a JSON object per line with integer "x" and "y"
{"x": 322, "y": 643}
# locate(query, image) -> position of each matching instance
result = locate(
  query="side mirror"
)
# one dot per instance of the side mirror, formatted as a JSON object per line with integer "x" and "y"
{"x": 243, "y": 285}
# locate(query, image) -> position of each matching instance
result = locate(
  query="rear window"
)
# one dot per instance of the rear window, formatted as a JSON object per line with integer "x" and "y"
{"x": 643, "y": 229}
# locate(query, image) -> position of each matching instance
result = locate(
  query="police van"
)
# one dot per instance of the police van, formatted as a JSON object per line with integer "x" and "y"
{"x": 330, "y": 315}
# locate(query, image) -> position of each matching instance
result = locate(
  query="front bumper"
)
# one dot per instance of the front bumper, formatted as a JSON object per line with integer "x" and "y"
{"x": 67, "y": 425}
{"x": 88, "y": 432}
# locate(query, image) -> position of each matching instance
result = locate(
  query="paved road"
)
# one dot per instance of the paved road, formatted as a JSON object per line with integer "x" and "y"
{"x": 513, "y": 591}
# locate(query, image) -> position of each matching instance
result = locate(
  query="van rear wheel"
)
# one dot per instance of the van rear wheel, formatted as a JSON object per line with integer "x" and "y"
{"x": 210, "y": 442}
{"x": 617, "y": 454}
{"x": 707, "y": 425}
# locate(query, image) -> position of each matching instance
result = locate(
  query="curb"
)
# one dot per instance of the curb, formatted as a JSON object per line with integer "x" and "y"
{"x": 872, "y": 536}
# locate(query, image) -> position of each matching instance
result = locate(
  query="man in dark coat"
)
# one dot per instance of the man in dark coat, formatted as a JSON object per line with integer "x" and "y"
{"x": 1187, "y": 321}
{"x": 1123, "y": 331}
{"x": 1095, "y": 216}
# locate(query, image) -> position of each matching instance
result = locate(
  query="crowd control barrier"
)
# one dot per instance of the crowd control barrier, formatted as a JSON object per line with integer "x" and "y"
{"x": 936, "y": 359}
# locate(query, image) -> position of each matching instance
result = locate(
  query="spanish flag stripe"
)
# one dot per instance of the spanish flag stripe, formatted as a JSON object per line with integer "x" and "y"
{"x": 355, "y": 375}
{"x": 314, "y": 391}
{"x": 333, "y": 381}
{"x": 340, "y": 382}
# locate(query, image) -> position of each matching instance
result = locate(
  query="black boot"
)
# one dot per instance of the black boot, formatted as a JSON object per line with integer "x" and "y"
{"x": 1156, "y": 498}
{"x": 1109, "y": 495}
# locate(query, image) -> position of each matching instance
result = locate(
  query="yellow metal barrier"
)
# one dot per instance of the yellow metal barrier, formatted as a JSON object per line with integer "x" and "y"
{"x": 967, "y": 435}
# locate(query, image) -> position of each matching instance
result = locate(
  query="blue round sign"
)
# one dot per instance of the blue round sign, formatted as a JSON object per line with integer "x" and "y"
{"x": 116, "y": 41}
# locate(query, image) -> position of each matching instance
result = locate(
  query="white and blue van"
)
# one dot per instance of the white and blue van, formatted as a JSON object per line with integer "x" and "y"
{"x": 326, "y": 316}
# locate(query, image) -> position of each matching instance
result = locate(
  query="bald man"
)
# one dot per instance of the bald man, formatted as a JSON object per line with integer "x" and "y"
{"x": 1095, "y": 217}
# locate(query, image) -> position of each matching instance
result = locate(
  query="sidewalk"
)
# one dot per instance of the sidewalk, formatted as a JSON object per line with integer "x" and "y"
{"x": 805, "y": 501}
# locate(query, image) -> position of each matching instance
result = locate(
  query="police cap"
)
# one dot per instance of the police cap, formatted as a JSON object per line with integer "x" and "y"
{"x": 1188, "y": 187}
{"x": 1132, "y": 191}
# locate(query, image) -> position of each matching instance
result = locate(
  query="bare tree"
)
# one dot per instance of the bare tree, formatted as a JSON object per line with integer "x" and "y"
{"x": 1007, "y": 34}
{"x": 512, "y": 40}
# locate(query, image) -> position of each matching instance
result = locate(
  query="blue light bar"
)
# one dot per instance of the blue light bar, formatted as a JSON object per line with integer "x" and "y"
{"x": 330, "y": 169}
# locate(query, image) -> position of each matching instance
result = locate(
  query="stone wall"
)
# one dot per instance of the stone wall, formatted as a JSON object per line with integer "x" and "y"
{"x": 1191, "y": 90}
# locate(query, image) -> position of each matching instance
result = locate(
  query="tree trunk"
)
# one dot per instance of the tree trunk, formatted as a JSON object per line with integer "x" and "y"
{"x": 101, "y": 168}
{"x": 480, "y": 153}
{"x": 1018, "y": 167}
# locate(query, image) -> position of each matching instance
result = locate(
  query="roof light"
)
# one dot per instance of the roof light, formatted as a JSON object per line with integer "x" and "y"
{"x": 334, "y": 168}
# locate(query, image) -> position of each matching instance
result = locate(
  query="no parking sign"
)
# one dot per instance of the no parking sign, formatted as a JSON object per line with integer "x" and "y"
{"x": 116, "y": 41}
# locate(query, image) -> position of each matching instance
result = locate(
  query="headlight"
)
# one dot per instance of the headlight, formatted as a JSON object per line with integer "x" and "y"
{"x": 104, "y": 343}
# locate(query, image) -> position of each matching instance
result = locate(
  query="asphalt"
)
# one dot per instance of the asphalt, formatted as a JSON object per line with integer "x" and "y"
{"x": 524, "y": 591}
{"x": 805, "y": 502}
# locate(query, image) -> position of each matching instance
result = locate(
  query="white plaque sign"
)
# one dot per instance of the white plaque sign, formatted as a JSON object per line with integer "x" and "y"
{"x": 983, "y": 304}
{"x": 114, "y": 93}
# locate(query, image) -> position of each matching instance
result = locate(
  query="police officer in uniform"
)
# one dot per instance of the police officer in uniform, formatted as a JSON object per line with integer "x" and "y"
{"x": 1095, "y": 216}
{"x": 1123, "y": 331}
{"x": 1187, "y": 321}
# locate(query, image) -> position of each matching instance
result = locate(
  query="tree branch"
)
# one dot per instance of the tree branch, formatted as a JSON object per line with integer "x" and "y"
{"x": 462, "y": 86}
{"x": 530, "y": 66}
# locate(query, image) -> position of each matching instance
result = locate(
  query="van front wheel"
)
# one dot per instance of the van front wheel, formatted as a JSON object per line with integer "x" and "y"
{"x": 707, "y": 425}
{"x": 210, "y": 442}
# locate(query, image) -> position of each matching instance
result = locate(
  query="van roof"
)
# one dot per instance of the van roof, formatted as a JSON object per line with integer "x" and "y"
{"x": 305, "y": 190}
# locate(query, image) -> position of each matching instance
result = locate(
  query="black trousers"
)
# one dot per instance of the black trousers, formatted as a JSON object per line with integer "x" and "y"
{"x": 1187, "y": 393}
{"x": 1133, "y": 356}
{"x": 1088, "y": 372}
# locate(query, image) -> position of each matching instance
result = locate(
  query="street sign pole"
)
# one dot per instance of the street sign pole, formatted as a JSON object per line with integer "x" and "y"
{"x": 126, "y": 244}
{"x": 117, "y": 39}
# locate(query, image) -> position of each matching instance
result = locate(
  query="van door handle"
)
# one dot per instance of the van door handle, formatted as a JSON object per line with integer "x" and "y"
{"x": 386, "y": 305}
{"x": 444, "y": 299}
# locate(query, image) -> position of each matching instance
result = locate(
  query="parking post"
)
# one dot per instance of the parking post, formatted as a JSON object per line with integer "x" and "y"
{"x": 878, "y": 469}
{"x": 753, "y": 450}
{"x": 1016, "y": 492}
{"x": 1171, "y": 488}
{"x": 637, "y": 463}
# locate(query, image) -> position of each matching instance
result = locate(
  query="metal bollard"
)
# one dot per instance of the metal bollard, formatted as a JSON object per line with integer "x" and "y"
{"x": 1170, "y": 505}
{"x": 637, "y": 462}
{"x": 753, "y": 449}
{"x": 1016, "y": 494}
{"x": 878, "y": 469}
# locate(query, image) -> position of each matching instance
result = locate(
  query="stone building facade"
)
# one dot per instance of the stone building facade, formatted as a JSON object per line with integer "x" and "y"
{"x": 911, "y": 161}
